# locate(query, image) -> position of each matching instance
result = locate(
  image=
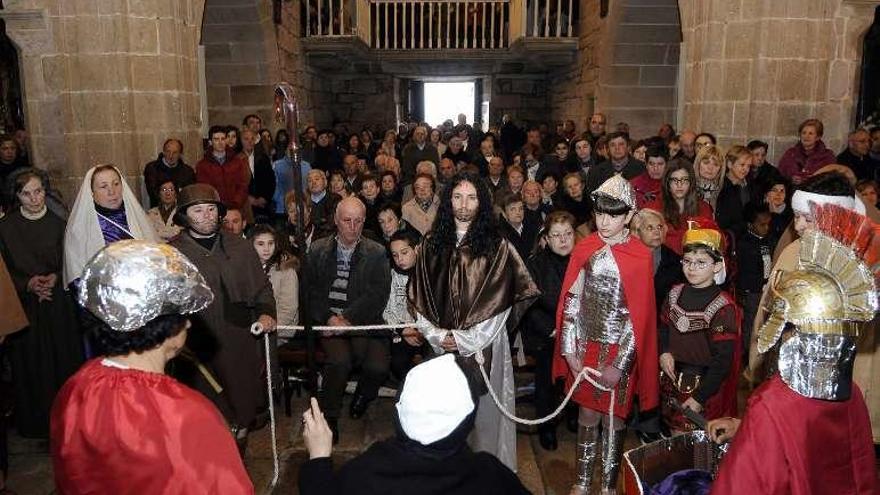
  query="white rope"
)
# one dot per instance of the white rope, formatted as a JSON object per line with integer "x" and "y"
{"x": 257, "y": 329}
{"x": 584, "y": 374}
{"x": 345, "y": 329}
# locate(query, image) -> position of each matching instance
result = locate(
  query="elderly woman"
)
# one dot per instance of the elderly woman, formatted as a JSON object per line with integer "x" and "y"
{"x": 547, "y": 267}
{"x": 105, "y": 211}
{"x": 808, "y": 155}
{"x": 650, "y": 226}
{"x": 162, "y": 216}
{"x": 120, "y": 425}
{"x": 48, "y": 351}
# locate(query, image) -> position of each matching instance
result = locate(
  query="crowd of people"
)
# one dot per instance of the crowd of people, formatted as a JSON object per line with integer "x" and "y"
{"x": 643, "y": 259}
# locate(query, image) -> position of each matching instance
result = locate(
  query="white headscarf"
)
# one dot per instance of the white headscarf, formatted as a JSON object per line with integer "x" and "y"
{"x": 83, "y": 237}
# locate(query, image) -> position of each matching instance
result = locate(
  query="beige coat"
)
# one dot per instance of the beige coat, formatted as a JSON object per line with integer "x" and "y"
{"x": 285, "y": 286}
{"x": 165, "y": 230}
{"x": 420, "y": 219}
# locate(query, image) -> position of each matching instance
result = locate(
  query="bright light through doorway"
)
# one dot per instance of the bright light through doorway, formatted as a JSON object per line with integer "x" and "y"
{"x": 446, "y": 100}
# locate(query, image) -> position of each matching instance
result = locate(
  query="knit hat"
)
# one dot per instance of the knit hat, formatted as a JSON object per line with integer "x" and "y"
{"x": 435, "y": 400}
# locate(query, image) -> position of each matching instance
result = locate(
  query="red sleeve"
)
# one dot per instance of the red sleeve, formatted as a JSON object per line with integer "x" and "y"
{"x": 756, "y": 462}
{"x": 203, "y": 176}
{"x": 787, "y": 165}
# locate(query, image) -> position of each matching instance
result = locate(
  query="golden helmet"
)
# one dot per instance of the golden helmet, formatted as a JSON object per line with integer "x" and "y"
{"x": 832, "y": 293}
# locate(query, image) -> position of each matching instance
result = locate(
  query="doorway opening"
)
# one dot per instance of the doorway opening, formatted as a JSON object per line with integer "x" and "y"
{"x": 11, "y": 100}
{"x": 445, "y": 100}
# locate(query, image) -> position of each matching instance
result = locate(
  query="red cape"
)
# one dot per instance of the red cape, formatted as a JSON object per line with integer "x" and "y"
{"x": 790, "y": 444}
{"x": 635, "y": 262}
{"x": 127, "y": 431}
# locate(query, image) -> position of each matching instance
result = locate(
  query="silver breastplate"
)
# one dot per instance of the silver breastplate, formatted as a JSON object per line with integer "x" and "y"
{"x": 604, "y": 314}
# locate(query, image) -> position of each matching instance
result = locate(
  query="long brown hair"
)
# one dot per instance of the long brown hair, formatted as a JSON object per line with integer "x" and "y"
{"x": 691, "y": 202}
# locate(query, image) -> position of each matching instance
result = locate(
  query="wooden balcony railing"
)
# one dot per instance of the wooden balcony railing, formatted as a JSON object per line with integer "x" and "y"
{"x": 439, "y": 24}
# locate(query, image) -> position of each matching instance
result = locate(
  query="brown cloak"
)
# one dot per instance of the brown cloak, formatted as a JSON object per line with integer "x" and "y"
{"x": 220, "y": 335}
{"x": 455, "y": 290}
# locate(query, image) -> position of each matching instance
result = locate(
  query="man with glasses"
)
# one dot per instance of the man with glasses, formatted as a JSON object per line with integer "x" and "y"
{"x": 349, "y": 282}
{"x": 857, "y": 157}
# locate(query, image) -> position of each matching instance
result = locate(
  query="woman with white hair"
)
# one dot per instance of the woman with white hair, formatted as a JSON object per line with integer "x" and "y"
{"x": 105, "y": 211}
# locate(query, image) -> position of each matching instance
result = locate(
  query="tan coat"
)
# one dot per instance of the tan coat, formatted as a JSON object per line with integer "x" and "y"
{"x": 420, "y": 219}
{"x": 285, "y": 286}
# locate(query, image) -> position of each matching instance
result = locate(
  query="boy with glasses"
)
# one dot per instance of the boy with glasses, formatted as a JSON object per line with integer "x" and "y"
{"x": 699, "y": 337}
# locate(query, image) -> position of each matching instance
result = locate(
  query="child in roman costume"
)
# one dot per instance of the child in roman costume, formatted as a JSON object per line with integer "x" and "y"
{"x": 607, "y": 321}
{"x": 699, "y": 336}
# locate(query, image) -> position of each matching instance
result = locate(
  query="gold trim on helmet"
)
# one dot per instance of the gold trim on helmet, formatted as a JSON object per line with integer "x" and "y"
{"x": 831, "y": 293}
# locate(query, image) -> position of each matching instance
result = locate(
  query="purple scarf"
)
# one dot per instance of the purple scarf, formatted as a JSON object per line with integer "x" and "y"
{"x": 110, "y": 221}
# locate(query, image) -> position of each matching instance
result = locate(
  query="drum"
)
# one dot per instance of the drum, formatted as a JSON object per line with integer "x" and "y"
{"x": 651, "y": 464}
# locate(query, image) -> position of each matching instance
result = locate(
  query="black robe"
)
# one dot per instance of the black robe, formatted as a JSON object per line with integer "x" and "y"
{"x": 50, "y": 350}
{"x": 403, "y": 466}
{"x": 220, "y": 335}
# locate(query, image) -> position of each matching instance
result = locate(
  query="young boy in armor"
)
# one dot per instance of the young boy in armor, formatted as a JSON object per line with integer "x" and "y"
{"x": 607, "y": 321}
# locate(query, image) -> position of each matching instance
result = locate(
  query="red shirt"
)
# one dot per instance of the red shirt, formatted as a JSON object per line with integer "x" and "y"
{"x": 128, "y": 431}
{"x": 705, "y": 217}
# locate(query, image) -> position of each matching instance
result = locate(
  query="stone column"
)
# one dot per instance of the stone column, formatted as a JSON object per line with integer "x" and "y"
{"x": 756, "y": 69}
{"x": 107, "y": 82}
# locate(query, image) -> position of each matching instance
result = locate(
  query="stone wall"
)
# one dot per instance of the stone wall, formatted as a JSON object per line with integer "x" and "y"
{"x": 573, "y": 90}
{"x": 626, "y": 66}
{"x": 106, "y": 81}
{"x": 756, "y": 69}
{"x": 354, "y": 101}
{"x": 524, "y": 97}
{"x": 241, "y": 60}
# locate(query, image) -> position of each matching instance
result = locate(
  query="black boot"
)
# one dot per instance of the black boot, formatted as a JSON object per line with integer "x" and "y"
{"x": 358, "y": 406}
{"x": 547, "y": 437}
{"x": 571, "y": 419}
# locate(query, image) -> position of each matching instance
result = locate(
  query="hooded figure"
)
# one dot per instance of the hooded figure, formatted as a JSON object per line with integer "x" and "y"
{"x": 429, "y": 454}
{"x": 92, "y": 226}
